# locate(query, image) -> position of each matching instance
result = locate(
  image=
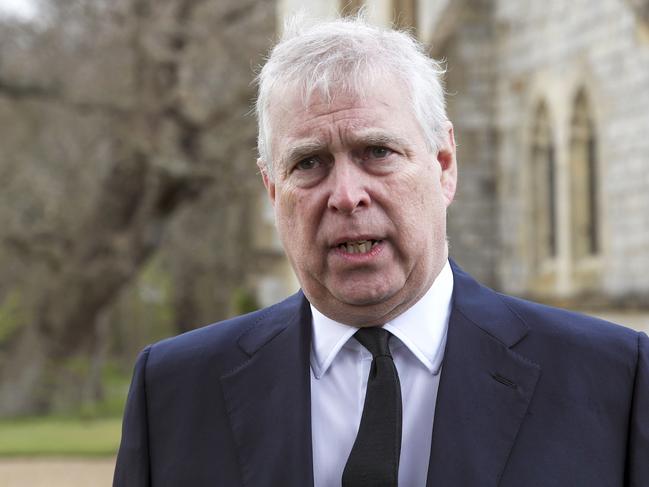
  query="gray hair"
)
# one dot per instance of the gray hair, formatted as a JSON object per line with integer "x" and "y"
{"x": 349, "y": 55}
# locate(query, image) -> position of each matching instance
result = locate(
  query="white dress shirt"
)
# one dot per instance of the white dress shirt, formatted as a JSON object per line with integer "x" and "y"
{"x": 339, "y": 370}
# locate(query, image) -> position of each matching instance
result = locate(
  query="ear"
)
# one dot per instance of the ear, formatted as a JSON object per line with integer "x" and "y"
{"x": 268, "y": 182}
{"x": 448, "y": 163}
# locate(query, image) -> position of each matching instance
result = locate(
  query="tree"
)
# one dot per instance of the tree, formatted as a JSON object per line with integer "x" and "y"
{"x": 128, "y": 101}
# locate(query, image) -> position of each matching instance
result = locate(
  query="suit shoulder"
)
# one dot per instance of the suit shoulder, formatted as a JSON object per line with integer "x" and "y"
{"x": 217, "y": 340}
{"x": 572, "y": 328}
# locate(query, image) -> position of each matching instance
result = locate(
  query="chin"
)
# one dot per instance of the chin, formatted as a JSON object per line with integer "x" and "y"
{"x": 364, "y": 299}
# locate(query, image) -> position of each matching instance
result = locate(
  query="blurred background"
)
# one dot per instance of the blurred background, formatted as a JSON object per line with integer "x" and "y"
{"x": 131, "y": 208}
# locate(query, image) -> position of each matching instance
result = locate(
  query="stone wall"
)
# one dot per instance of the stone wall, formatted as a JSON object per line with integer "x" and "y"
{"x": 548, "y": 52}
{"x": 470, "y": 51}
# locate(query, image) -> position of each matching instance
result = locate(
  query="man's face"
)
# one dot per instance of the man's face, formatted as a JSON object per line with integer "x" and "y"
{"x": 360, "y": 201}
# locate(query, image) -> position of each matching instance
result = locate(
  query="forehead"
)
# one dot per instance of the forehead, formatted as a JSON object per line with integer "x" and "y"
{"x": 294, "y": 118}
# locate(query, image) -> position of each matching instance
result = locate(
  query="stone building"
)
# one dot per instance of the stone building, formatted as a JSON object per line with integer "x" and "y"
{"x": 550, "y": 102}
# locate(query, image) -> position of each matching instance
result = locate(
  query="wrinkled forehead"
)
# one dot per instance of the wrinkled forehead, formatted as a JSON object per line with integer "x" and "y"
{"x": 300, "y": 96}
{"x": 294, "y": 103}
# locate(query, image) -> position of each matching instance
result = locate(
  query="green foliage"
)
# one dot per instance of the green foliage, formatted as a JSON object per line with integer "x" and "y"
{"x": 79, "y": 365}
{"x": 244, "y": 301}
{"x": 114, "y": 386}
{"x": 59, "y": 437}
{"x": 146, "y": 311}
{"x": 11, "y": 315}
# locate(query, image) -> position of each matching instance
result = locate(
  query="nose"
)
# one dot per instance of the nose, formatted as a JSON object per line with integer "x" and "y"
{"x": 348, "y": 188}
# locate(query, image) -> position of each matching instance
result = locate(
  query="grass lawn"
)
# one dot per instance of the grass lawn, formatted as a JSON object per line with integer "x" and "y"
{"x": 60, "y": 437}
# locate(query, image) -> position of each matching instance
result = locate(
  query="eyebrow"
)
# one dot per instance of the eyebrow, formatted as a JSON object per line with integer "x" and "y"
{"x": 302, "y": 150}
{"x": 308, "y": 147}
{"x": 374, "y": 137}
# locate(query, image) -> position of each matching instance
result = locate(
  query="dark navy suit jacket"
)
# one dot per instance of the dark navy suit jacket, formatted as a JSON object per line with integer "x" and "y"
{"x": 530, "y": 396}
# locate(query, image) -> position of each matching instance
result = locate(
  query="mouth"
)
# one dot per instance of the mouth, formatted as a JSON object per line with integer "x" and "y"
{"x": 358, "y": 246}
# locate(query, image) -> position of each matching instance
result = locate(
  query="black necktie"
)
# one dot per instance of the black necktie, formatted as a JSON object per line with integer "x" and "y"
{"x": 374, "y": 459}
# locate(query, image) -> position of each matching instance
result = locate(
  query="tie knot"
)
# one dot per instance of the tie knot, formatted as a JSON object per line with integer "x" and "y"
{"x": 375, "y": 339}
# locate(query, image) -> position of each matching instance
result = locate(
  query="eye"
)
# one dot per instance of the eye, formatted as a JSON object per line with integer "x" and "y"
{"x": 378, "y": 152}
{"x": 308, "y": 163}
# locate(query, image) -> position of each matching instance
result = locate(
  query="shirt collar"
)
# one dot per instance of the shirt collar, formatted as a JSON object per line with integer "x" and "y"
{"x": 421, "y": 328}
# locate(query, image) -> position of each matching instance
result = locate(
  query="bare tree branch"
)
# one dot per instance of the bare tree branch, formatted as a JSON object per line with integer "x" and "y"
{"x": 54, "y": 94}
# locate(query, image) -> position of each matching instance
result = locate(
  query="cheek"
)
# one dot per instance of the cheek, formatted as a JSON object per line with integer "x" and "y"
{"x": 422, "y": 212}
{"x": 294, "y": 222}
{"x": 421, "y": 197}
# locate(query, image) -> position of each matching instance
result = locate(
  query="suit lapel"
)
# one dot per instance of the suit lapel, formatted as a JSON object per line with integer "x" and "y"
{"x": 484, "y": 391}
{"x": 268, "y": 398}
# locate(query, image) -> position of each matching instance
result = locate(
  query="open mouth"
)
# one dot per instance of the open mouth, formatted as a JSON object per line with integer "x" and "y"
{"x": 359, "y": 246}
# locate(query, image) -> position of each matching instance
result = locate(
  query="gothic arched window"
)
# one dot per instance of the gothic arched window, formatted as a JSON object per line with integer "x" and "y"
{"x": 543, "y": 188}
{"x": 584, "y": 211}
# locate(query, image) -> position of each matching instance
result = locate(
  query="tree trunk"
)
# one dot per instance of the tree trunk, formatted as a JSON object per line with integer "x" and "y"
{"x": 160, "y": 162}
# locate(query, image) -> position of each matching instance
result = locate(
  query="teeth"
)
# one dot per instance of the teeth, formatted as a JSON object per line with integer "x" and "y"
{"x": 359, "y": 247}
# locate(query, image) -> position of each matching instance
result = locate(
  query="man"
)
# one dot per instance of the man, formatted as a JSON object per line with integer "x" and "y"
{"x": 391, "y": 365}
